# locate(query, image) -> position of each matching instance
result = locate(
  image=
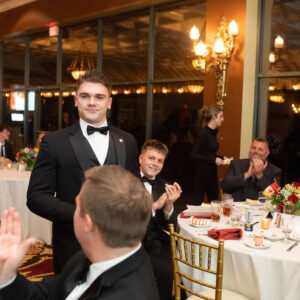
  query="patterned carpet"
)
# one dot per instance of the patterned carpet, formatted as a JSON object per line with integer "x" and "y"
{"x": 37, "y": 263}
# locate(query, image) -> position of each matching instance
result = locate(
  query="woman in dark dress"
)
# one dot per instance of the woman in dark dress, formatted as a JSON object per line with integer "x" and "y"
{"x": 204, "y": 152}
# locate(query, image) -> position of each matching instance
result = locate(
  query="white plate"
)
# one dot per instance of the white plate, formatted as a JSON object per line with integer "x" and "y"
{"x": 273, "y": 236}
{"x": 201, "y": 226}
{"x": 294, "y": 238}
{"x": 265, "y": 245}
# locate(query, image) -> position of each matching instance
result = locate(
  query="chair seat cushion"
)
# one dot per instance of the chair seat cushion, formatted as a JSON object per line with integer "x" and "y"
{"x": 226, "y": 295}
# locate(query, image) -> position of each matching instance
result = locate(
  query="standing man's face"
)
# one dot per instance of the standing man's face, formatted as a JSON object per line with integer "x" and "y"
{"x": 151, "y": 162}
{"x": 258, "y": 149}
{"x": 5, "y": 134}
{"x": 93, "y": 101}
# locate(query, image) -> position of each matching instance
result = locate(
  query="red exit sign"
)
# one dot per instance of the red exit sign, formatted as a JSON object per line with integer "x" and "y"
{"x": 53, "y": 30}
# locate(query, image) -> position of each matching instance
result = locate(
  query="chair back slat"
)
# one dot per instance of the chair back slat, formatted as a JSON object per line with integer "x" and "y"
{"x": 209, "y": 259}
{"x": 180, "y": 244}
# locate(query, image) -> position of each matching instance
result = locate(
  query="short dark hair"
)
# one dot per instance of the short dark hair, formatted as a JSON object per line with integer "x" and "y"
{"x": 262, "y": 140}
{"x": 117, "y": 203}
{"x": 156, "y": 145}
{"x": 4, "y": 126}
{"x": 95, "y": 77}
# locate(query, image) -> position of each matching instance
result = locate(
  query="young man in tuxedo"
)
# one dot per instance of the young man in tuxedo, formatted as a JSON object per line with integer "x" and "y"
{"x": 247, "y": 177}
{"x": 64, "y": 156}
{"x": 112, "y": 212}
{"x": 156, "y": 242}
{"x": 5, "y": 147}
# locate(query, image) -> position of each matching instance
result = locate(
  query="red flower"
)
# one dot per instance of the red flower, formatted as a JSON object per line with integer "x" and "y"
{"x": 280, "y": 207}
{"x": 19, "y": 154}
{"x": 276, "y": 192}
{"x": 296, "y": 184}
{"x": 293, "y": 198}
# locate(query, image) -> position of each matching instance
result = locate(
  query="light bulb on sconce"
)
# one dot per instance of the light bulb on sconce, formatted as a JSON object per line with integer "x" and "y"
{"x": 278, "y": 44}
{"x": 221, "y": 51}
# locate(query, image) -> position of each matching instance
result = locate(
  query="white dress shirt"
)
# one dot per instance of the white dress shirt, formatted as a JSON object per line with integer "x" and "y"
{"x": 99, "y": 142}
{"x": 95, "y": 270}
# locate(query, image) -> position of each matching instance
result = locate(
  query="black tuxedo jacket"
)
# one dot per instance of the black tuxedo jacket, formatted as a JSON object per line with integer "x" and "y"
{"x": 57, "y": 177}
{"x": 131, "y": 279}
{"x": 234, "y": 182}
{"x": 155, "y": 237}
{"x": 8, "y": 151}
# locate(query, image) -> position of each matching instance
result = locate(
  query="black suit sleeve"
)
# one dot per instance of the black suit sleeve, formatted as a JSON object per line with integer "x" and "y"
{"x": 233, "y": 179}
{"x": 42, "y": 187}
{"x": 132, "y": 155}
{"x": 8, "y": 151}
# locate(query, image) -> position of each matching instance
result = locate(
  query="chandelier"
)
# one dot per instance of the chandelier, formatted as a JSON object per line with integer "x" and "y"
{"x": 221, "y": 51}
{"x": 81, "y": 62}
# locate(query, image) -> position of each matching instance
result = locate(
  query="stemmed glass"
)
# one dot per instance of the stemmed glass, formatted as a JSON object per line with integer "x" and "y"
{"x": 286, "y": 225}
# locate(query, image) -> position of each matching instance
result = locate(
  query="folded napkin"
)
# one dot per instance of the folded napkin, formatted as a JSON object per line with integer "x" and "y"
{"x": 199, "y": 211}
{"x": 202, "y": 215}
{"x": 226, "y": 234}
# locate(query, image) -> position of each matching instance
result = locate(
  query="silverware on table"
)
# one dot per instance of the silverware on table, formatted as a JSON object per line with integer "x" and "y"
{"x": 292, "y": 246}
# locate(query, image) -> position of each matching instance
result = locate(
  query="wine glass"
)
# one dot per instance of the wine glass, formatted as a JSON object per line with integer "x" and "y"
{"x": 286, "y": 226}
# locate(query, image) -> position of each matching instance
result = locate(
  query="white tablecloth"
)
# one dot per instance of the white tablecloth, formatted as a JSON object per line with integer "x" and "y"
{"x": 259, "y": 274}
{"x": 13, "y": 189}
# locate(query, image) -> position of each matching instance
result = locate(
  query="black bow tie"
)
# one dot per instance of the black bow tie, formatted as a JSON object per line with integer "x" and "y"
{"x": 146, "y": 179}
{"x": 103, "y": 130}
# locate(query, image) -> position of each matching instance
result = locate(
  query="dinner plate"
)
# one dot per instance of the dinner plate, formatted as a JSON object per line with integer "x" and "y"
{"x": 265, "y": 245}
{"x": 294, "y": 238}
{"x": 272, "y": 236}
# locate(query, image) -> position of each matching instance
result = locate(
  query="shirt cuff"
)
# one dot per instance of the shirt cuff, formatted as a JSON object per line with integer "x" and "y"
{"x": 8, "y": 283}
{"x": 168, "y": 215}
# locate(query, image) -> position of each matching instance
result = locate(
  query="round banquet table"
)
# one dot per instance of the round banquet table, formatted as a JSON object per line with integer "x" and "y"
{"x": 13, "y": 190}
{"x": 259, "y": 274}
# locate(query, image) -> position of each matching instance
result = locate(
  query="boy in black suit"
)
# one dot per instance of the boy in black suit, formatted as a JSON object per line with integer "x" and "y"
{"x": 66, "y": 154}
{"x": 112, "y": 212}
{"x": 164, "y": 195}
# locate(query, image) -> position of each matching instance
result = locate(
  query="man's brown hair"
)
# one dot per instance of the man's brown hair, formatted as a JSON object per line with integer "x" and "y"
{"x": 117, "y": 203}
{"x": 155, "y": 145}
{"x": 95, "y": 77}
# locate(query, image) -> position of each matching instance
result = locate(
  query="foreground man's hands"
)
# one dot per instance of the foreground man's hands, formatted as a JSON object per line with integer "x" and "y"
{"x": 12, "y": 249}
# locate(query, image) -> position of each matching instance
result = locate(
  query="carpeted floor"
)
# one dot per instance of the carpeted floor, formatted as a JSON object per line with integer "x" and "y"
{"x": 37, "y": 263}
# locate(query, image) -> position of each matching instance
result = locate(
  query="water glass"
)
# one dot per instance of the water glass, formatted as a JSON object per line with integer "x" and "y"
{"x": 236, "y": 214}
{"x": 215, "y": 210}
{"x": 286, "y": 225}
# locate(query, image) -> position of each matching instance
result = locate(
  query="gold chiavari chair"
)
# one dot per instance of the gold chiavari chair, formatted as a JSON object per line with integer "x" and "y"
{"x": 183, "y": 250}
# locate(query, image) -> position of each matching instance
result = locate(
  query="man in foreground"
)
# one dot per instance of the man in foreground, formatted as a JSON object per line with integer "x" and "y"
{"x": 164, "y": 195}
{"x": 64, "y": 156}
{"x": 112, "y": 212}
{"x": 247, "y": 177}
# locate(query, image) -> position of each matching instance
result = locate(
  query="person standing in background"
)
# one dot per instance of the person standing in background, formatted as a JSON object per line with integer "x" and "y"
{"x": 204, "y": 152}
{"x": 5, "y": 147}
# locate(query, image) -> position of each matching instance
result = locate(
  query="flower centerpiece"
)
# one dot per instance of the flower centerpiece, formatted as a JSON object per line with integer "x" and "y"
{"x": 27, "y": 156}
{"x": 287, "y": 198}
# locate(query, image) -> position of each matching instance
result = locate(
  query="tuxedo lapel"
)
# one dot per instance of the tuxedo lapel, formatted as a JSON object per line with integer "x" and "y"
{"x": 76, "y": 277}
{"x": 120, "y": 148}
{"x": 82, "y": 149}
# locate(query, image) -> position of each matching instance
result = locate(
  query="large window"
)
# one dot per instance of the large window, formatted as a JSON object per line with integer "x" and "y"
{"x": 279, "y": 86}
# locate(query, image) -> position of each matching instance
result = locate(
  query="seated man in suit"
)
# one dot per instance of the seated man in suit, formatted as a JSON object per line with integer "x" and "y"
{"x": 112, "y": 212}
{"x": 5, "y": 147}
{"x": 156, "y": 242}
{"x": 246, "y": 177}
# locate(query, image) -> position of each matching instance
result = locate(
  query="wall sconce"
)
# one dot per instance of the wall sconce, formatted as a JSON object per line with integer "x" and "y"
{"x": 278, "y": 44}
{"x": 82, "y": 62}
{"x": 221, "y": 51}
